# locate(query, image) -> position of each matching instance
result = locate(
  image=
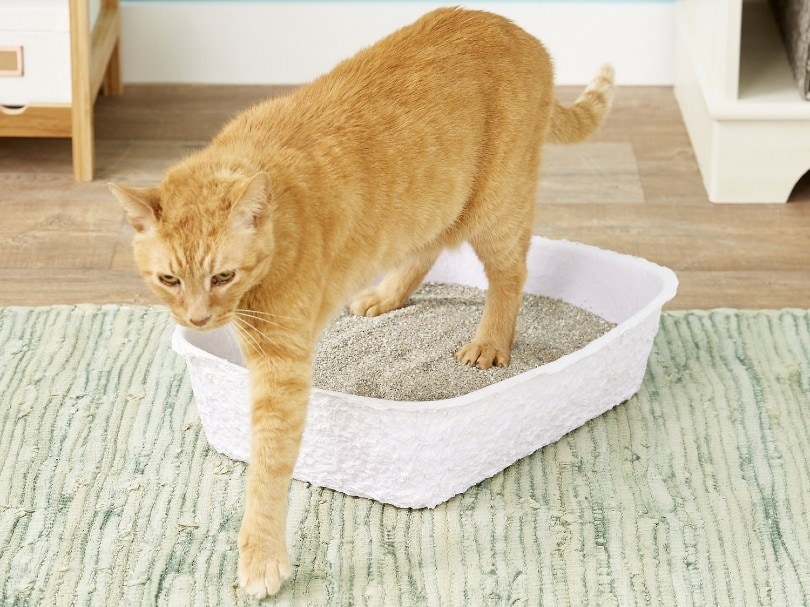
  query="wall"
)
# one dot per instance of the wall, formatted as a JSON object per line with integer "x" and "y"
{"x": 283, "y": 42}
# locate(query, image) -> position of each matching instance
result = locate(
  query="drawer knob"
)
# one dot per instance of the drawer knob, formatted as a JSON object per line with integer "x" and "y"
{"x": 11, "y": 61}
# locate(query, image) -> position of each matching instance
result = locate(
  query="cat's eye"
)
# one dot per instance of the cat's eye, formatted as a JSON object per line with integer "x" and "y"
{"x": 169, "y": 280}
{"x": 222, "y": 278}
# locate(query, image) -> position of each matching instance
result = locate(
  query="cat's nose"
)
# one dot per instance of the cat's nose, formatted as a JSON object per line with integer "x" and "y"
{"x": 199, "y": 322}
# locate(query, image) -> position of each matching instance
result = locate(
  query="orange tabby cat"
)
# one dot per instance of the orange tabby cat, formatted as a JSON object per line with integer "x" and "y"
{"x": 428, "y": 138}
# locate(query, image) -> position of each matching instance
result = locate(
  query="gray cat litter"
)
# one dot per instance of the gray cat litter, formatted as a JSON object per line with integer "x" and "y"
{"x": 408, "y": 354}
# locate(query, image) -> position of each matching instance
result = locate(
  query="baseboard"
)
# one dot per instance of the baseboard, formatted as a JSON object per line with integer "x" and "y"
{"x": 246, "y": 42}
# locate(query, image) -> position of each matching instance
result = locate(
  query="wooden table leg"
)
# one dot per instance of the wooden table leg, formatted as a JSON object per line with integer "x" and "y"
{"x": 82, "y": 102}
{"x": 112, "y": 76}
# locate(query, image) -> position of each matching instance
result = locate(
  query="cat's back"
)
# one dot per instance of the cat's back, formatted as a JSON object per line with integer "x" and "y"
{"x": 450, "y": 61}
{"x": 450, "y": 66}
{"x": 446, "y": 46}
{"x": 442, "y": 89}
{"x": 447, "y": 33}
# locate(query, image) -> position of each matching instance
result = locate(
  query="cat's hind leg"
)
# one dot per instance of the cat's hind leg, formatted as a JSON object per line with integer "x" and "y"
{"x": 396, "y": 287}
{"x": 504, "y": 257}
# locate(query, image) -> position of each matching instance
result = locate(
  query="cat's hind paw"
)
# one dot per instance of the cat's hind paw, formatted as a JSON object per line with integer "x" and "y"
{"x": 262, "y": 571}
{"x": 483, "y": 355}
{"x": 371, "y": 303}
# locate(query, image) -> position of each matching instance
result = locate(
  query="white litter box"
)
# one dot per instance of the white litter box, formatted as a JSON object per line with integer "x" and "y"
{"x": 420, "y": 454}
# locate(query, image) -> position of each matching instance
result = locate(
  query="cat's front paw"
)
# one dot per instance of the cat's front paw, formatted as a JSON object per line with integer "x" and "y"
{"x": 483, "y": 355}
{"x": 262, "y": 569}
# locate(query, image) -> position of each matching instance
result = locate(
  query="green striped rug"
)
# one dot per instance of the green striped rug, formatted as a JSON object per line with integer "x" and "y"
{"x": 694, "y": 492}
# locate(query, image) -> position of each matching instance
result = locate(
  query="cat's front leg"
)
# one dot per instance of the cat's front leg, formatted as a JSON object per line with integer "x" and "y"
{"x": 279, "y": 391}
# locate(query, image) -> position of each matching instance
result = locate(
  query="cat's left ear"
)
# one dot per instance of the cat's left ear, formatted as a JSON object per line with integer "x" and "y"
{"x": 141, "y": 204}
{"x": 252, "y": 202}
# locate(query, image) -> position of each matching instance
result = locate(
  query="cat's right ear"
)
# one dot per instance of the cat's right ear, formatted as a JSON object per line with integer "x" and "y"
{"x": 142, "y": 205}
{"x": 251, "y": 204}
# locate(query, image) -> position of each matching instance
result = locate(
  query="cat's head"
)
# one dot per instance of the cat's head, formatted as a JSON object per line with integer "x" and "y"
{"x": 201, "y": 242}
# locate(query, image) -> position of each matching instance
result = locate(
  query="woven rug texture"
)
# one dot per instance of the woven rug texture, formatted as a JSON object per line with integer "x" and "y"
{"x": 696, "y": 491}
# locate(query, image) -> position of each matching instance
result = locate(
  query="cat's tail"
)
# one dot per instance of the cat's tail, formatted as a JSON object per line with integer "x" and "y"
{"x": 577, "y": 122}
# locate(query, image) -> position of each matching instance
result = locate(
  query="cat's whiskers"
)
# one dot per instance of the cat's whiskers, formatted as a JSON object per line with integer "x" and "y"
{"x": 251, "y": 327}
{"x": 244, "y": 330}
{"x": 155, "y": 311}
{"x": 233, "y": 335}
{"x": 270, "y": 314}
{"x": 244, "y": 338}
{"x": 244, "y": 315}
{"x": 155, "y": 318}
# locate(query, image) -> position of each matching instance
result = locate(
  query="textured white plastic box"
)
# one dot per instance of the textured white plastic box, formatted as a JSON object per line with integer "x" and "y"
{"x": 42, "y": 29}
{"x": 419, "y": 454}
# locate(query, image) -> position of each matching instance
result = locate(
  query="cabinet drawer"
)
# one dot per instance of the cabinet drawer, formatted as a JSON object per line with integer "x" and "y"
{"x": 41, "y": 29}
{"x": 45, "y": 74}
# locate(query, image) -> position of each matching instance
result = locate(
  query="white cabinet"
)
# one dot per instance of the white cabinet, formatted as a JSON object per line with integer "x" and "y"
{"x": 57, "y": 55}
{"x": 40, "y": 31}
{"x": 748, "y": 124}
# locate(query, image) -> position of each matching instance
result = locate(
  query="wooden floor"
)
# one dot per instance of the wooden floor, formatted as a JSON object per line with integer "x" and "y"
{"x": 635, "y": 188}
